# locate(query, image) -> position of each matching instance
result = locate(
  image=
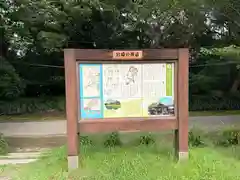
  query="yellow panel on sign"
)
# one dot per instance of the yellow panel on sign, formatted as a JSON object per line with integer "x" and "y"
{"x": 127, "y": 55}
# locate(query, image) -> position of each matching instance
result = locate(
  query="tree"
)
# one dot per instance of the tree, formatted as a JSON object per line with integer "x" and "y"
{"x": 225, "y": 18}
{"x": 11, "y": 85}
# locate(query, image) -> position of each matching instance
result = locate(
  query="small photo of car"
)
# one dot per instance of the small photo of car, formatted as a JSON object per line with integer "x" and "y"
{"x": 165, "y": 106}
{"x": 112, "y": 104}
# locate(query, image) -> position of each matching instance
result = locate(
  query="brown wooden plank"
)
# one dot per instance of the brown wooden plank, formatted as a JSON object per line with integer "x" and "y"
{"x": 127, "y": 55}
{"x": 106, "y": 55}
{"x": 160, "y": 54}
{"x": 176, "y": 88}
{"x": 183, "y": 68}
{"x": 71, "y": 101}
{"x": 111, "y": 125}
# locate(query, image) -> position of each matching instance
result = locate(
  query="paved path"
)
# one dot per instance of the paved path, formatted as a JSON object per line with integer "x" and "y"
{"x": 20, "y": 158}
{"x": 58, "y": 127}
{"x": 48, "y": 128}
{"x": 214, "y": 122}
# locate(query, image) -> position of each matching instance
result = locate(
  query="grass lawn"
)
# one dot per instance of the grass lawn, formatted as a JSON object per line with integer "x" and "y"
{"x": 135, "y": 162}
{"x": 61, "y": 115}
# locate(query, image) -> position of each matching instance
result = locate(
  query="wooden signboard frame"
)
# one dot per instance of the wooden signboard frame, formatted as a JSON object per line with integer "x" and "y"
{"x": 178, "y": 122}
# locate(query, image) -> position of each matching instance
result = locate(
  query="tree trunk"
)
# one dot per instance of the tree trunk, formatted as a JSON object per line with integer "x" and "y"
{"x": 3, "y": 44}
{"x": 236, "y": 84}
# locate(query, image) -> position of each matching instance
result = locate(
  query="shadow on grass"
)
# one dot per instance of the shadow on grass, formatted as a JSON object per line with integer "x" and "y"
{"x": 218, "y": 141}
{"x": 133, "y": 160}
{"x": 131, "y": 142}
{"x": 53, "y": 163}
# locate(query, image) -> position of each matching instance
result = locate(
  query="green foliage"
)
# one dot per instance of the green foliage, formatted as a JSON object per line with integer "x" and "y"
{"x": 214, "y": 103}
{"x": 229, "y": 137}
{"x": 146, "y": 139}
{"x": 194, "y": 139}
{"x": 113, "y": 140}
{"x": 32, "y": 105}
{"x": 11, "y": 85}
{"x": 3, "y": 145}
{"x": 215, "y": 69}
{"x": 84, "y": 140}
{"x": 36, "y": 31}
{"x": 226, "y": 12}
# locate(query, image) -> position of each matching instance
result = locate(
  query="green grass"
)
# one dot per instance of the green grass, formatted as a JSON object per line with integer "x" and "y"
{"x": 61, "y": 116}
{"x": 154, "y": 162}
{"x": 2, "y": 167}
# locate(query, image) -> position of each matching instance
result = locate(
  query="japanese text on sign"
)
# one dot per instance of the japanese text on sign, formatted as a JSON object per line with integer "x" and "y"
{"x": 127, "y": 54}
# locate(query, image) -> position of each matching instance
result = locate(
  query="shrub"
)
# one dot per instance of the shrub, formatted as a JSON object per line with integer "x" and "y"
{"x": 84, "y": 140}
{"x": 194, "y": 139}
{"x": 113, "y": 140}
{"x": 3, "y": 145}
{"x": 11, "y": 85}
{"x": 147, "y": 139}
{"x": 32, "y": 105}
{"x": 214, "y": 103}
{"x": 229, "y": 137}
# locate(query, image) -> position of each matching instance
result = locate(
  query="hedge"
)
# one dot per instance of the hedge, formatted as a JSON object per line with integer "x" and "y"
{"x": 206, "y": 103}
{"x": 31, "y": 105}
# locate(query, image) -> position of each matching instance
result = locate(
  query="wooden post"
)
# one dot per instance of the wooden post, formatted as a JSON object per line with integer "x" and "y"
{"x": 181, "y": 134}
{"x": 71, "y": 108}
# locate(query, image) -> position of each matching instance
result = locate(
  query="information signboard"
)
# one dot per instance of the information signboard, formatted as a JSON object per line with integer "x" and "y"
{"x": 126, "y": 90}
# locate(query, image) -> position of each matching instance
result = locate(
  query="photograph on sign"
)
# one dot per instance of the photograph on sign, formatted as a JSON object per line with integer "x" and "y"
{"x": 126, "y": 90}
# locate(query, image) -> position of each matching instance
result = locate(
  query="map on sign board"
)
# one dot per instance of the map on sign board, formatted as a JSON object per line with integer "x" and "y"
{"x": 126, "y": 90}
